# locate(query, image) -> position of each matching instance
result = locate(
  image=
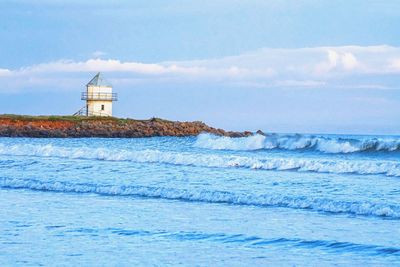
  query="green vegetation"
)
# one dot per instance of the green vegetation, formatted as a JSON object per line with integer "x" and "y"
{"x": 52, "y": 118}
{"x": 75, "y": 118}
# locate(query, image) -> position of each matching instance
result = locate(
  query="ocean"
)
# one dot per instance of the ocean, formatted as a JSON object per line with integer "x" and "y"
{"x": 280, "y": 200}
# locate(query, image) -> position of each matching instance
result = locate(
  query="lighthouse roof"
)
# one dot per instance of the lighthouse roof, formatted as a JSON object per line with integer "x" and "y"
{"x": 99, "y": 80}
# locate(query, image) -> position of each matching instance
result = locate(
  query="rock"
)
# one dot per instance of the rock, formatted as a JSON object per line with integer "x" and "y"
{"x": 260, "y": 132}
{"x": 247, "y": 133}
{"x": 68, "y": 126}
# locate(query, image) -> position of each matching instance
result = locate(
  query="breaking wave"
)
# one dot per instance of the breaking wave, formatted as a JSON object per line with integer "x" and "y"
{"x": 198, "y": 195}
{"x": 298, "y": 141}
{"x": 389, "y": 168}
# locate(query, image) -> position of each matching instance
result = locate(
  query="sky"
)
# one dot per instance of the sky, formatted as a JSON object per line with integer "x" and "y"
{"x": 303, "y": 66}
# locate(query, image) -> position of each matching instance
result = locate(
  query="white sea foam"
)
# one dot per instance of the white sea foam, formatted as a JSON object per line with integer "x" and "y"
{"x": 294, "y": 142}
{"x": 253, "y": 142}
{"x": 295, "y": 202}
{"x": 389, "y": 168}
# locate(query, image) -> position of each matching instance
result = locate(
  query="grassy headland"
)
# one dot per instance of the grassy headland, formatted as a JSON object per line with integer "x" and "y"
{"x": 81, "y": 126}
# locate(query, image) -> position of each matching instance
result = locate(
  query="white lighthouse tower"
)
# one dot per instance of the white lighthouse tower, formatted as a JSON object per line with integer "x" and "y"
{"x": 99, "y": 97}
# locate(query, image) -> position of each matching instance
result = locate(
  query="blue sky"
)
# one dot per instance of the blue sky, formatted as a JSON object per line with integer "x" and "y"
{"x": 285, "y": 66}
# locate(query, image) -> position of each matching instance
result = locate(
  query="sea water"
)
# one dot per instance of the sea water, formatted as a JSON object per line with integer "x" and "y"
{"x": 280, "y": 200}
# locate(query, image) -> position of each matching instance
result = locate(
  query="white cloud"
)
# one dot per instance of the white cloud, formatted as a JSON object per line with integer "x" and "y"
{"x": 349, "y": 61}
{"x": 299, "y": 83}
{"x": 5, "y": 72}
{"x": 395, "y": 64}
{"x": 109, "y": 65}
{"x": 301, "y": 67}
{"x": 337, "y": 61}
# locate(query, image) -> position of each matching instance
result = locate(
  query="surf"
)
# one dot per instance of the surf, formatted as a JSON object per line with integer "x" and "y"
{"x": 324, "y": 144}
{"x": 210, "y": 196}
{"x": 318, "y": 165}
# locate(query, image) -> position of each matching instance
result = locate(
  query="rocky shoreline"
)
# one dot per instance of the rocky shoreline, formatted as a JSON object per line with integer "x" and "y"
{"x": 76, "y": 126}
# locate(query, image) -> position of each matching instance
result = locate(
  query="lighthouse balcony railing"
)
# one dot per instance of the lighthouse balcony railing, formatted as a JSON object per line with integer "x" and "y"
{"x": 99, "y": 96}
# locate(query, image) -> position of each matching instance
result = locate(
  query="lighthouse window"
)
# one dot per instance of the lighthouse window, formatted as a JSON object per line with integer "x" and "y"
{"x": 102, "y": 107}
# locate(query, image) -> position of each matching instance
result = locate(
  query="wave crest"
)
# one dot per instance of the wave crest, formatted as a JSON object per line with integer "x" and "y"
{"x": 296, "y": 142}
{"x": 389, "y": 168}
{"x": 198, "y": 195}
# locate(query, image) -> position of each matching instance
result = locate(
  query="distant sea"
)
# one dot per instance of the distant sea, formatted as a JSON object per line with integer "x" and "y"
{"x": 280, "y": 200}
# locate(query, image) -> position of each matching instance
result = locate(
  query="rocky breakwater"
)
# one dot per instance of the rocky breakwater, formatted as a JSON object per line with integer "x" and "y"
{"x": 69, "y": 126}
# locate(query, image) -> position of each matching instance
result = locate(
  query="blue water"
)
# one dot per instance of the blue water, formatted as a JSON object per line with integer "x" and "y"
{"x": 280, "y": 200}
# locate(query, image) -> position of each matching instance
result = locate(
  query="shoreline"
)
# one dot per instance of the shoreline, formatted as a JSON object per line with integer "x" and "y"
{"x": 107, "y": 127}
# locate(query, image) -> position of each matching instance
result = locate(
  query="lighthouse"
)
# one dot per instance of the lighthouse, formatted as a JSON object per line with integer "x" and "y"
{"x": 99, "y": 97}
